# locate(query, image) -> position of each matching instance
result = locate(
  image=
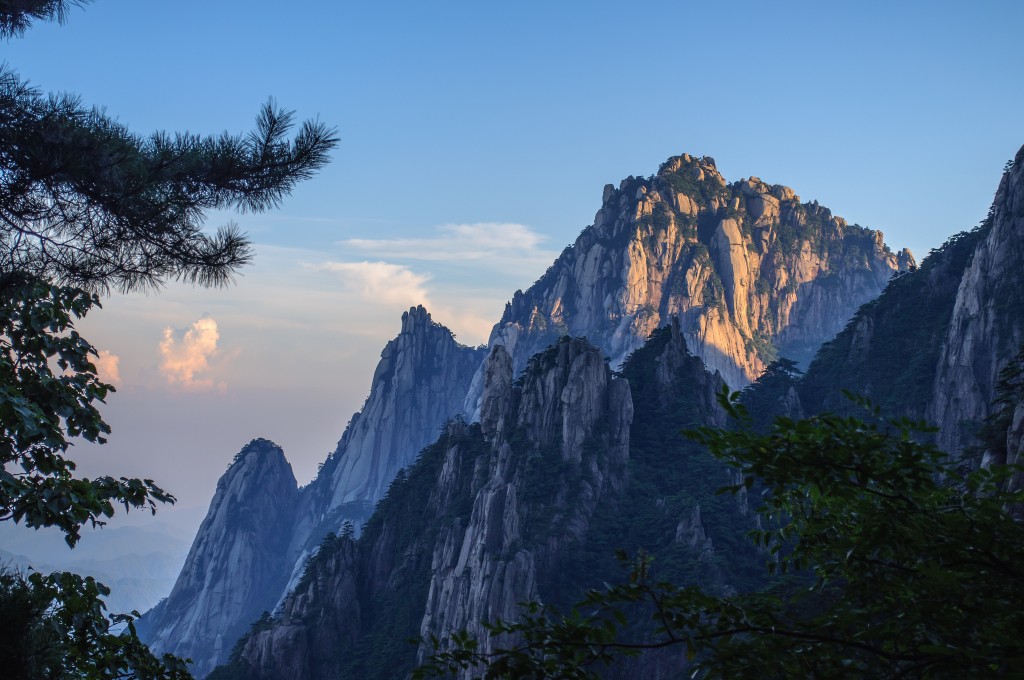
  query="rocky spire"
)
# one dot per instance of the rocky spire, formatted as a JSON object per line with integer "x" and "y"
{"x": 420, "y": 383}
{"x": 237, "y": 564}
{"x": 242, "y": 562}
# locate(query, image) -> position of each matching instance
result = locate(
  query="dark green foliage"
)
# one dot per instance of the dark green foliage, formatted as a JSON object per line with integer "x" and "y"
{"x": 669, "y": 476}
{"x": 48, "y": 395}
{"x": 890, "y": 349}
{"x": 767, "y": 398}
{"x": 1009, "y": 395}
{"x": 56, "y": 627}
{"x": 662, "y": 216}
{"x": 908, "y": 571}
{"x": 17, "y": 15}
{"x": 85, "y": 202}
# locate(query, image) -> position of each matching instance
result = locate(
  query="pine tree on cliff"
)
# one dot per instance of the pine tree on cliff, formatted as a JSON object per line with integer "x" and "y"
{"x": 86, "y": 207}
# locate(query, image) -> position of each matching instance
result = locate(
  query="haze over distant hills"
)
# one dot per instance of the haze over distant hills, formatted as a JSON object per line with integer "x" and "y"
{"x": 138, "y": 563}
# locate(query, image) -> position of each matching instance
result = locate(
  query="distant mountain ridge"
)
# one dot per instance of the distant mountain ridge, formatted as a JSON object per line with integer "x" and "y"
{"x": 745, "y": 268}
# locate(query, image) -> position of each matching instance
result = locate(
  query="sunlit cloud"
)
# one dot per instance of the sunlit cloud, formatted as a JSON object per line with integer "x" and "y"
{"x": 186, "y": 360}
{"x": 503, "y": 245}
{"x": 108, "y": 367}
{"x": 382, "y": 282}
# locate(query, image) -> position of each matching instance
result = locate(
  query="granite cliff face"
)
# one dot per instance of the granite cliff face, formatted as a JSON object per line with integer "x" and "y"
{"x": 987, "y": 325}
{"x": 746, "y": 269}
{"x": 419, "y": 384}
{"x": 933, "y": 344}
{"x": 462, "y": 537}
{"x": 247, "y": 530}
{"x": 749, "y": 270}
{"x": 482, "y": 570}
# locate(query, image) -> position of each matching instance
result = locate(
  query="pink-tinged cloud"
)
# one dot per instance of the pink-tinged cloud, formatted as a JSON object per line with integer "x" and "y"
{"x": 186, "y": 361}
{"x": 108, "y": 367}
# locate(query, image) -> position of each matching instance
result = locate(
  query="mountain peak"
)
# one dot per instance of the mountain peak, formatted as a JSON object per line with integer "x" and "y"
{"x": 750, "y": 271}
{"x": 417, "y": 317}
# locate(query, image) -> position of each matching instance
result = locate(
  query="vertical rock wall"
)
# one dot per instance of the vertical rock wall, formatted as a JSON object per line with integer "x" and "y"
{"x": 987, "y": 327}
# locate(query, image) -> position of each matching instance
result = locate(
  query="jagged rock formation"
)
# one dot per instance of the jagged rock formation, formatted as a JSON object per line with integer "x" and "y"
{"x": 746, "y": 268}
{"x": 531, "y": 502}
{"x": 987, "y": 325}
{"x": 418, "y": 385}
{"x": 749, "y": 270}
{"x": 463, "y": 536}
{"x": 933, "y": 344}
{"x": 540, "y": 493}
{"x": 248, "y": 528}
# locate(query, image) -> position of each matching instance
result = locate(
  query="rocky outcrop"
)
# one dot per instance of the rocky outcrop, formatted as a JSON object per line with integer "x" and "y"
{"x": 987, "y": 325}
{"x": 462, "y": 537}
{"x": 749, "y": 269}
{"x": 420, "y": 383}
{"x": 246, "y": 531}
{"x": 483, "y": 570}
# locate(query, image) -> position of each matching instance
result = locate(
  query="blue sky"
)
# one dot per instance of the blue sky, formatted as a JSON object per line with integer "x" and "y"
{"x": 475, "y": 142}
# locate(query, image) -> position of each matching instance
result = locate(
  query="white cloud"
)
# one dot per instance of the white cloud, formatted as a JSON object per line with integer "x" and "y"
{"x": 382, "y": 282}
{"x": 108, "y": 367}
{"x": 503, "y": 245}
{"x": 186, "y": 360}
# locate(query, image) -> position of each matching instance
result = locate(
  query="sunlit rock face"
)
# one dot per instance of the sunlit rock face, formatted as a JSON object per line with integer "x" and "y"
{"x": 749, "y": 270}
{"x": 247, "y": 531}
